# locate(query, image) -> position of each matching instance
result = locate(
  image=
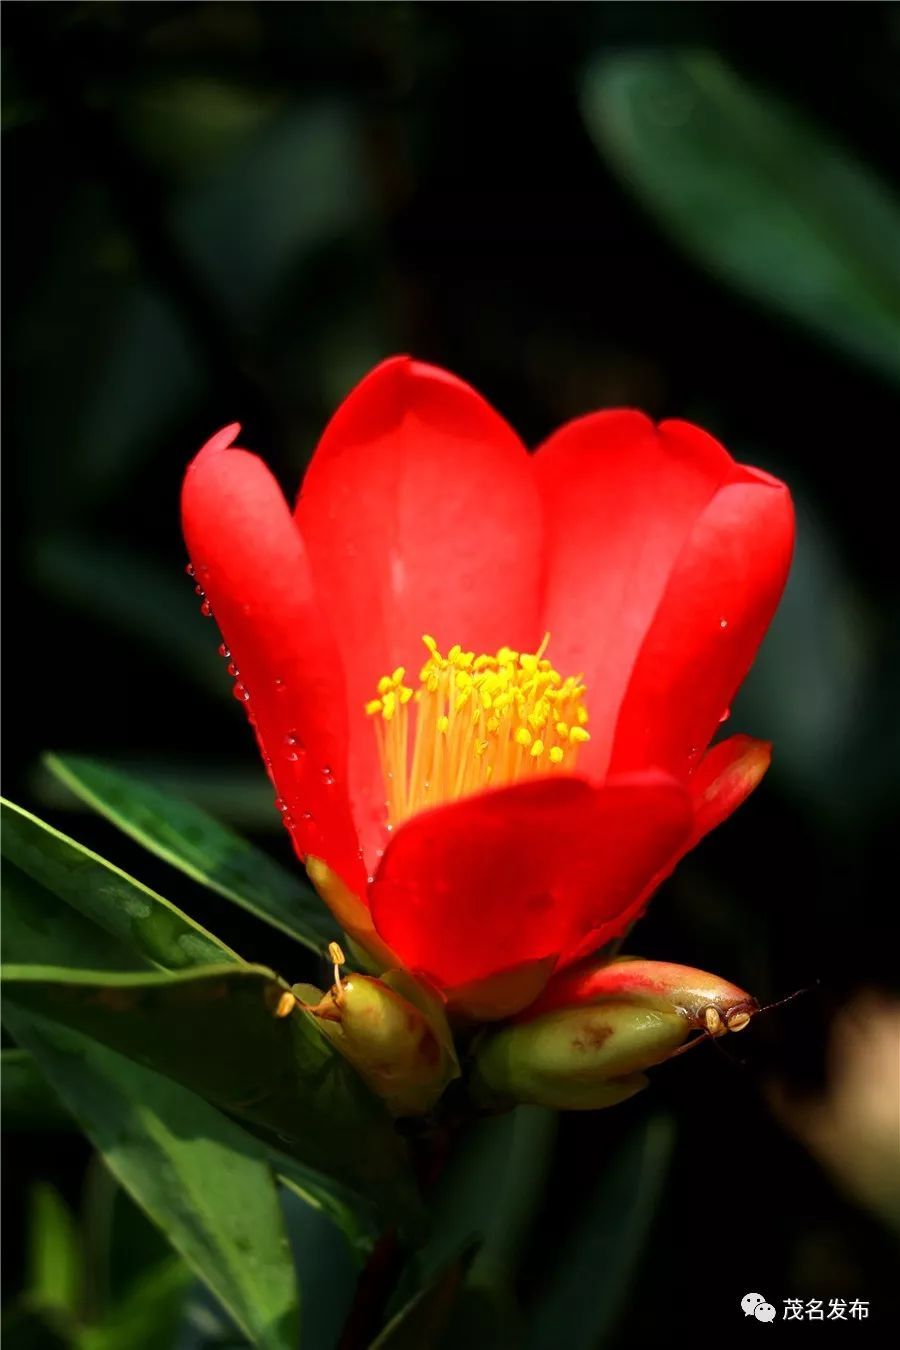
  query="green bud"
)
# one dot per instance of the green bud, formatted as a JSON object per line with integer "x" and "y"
{"x": 395, "y": 1034}
{"x": 575, "y": 1059}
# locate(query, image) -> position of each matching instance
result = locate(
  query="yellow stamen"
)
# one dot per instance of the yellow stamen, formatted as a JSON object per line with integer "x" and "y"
{"x": 473, "y": 721}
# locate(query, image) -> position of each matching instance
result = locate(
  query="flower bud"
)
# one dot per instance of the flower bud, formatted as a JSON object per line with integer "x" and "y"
{"x": 707, "y": 1002}
{"x": 394, "y": 1033}
{"x": 576, "y": 1059}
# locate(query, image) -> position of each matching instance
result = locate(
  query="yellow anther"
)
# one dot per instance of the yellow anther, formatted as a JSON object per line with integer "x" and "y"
{"x": 464, "y": 725}
{"x": 337, "y": 958}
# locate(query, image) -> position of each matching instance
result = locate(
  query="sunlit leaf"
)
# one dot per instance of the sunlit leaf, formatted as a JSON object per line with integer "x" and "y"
{"x": 196, "y": 1174}
{"x": 238, "y": 795}
{"x": 755, "y": 192}
{"x": 129, "y": 911}
{"x": 189, "y": 839}
{"x": 217, "y": 1031}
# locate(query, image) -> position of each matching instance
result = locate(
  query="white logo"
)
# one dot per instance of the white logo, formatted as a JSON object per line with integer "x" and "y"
{"x": 754, "y": 1305}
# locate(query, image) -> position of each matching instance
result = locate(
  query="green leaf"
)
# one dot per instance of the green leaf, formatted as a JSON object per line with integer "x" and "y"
{"x": 485, "y": 1204}
{"x": 127, "y": 910}
{"x": 185, "y": 836}
{"x": 755, "y": 193}
{"x": 147, "y": 1317}
{"x": 329, "y": 1200}
{"x": 422, "y": 1321}
{"x": 238, "y": 795}
{"x": 328, "y": 1268}
{"x": 216, "y": 1031}
{"x": 596, "y": 1264}
{"x": 39, "y": 927}
{"x": 28, "y": 1101}
{"x": 291, "y": 190}
{"x": 195, "y": 1173}
{"x": 54, "y": 1275}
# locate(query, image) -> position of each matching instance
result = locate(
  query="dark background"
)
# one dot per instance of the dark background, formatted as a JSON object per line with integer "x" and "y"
{"x": 230, "y": 212}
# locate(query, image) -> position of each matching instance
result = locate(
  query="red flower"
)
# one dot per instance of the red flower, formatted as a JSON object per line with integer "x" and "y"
{"x": 650, "y": 557}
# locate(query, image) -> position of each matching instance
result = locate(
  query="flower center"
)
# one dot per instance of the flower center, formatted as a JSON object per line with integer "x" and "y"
{"x": 473, "y": 722}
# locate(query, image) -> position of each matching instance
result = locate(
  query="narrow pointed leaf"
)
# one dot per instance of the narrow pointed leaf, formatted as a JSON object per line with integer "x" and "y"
{"x": 126, "y": 909}
{"x": 195, "y": 1173}
{"x": 38, "y": 927}
{"x": 424, "y": 1318}
{"x": 191, "y": 840}
{"x": 595, "y": 1265}
{"x": 755, "y": 192}
{"x": 147, "y": 1317}
{"x": 217, "y": 1031}
{"x": 54, "y": 1276}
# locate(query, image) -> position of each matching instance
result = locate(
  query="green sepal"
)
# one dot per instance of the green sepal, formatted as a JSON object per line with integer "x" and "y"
{"x": 577, "y": 1059}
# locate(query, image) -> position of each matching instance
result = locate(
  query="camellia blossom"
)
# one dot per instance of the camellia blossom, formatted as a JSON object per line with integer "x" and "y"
{"x": 484, "y": 682}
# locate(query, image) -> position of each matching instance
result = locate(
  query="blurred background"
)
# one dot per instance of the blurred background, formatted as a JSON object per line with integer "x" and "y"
{"x": 220, "y": 212}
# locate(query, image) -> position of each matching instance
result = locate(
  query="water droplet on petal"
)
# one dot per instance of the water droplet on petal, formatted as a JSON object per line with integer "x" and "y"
{"x": 723, "y": 623}
{"x": 307, "y": 815}
{"x": 279, "y": 684}
{"x": 206, "y": 610}
{"x": 294, "y": 747}
{"x": 725, "y": 716}
{"x": 190, "y": 569}
{"x": 224, "y": 652}
{"x": 241, "y": 693}
{"x": 232, "y": 670}
{"x": 280, "y": 805}
{"x": 328, "y": 773}
{"x": 198, "y": 590}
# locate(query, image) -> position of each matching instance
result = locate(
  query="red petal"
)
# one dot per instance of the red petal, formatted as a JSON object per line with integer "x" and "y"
{"x": 721, "y": 594}
{"x": 724, "y": 778}
{"x": 420, "y": 516}
{"x": 249, "y": 558}
{"x": 496, "y": 880}
{"x": 621, "y": 496}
